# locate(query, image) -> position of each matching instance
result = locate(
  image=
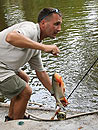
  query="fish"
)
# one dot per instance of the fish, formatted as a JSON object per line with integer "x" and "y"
{"x": 80, "y": 128}
{"x": 58, "y": 87}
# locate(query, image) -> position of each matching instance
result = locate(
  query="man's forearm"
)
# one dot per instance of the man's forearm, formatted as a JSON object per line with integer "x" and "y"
{"x": 19, "y": 40}
{"x": 45, "y": 80}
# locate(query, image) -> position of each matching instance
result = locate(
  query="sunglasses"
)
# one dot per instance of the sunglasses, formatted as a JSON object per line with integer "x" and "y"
{"x": 50, "y": 12}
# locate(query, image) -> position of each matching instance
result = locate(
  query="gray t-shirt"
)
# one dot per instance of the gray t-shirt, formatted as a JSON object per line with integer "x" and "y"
{"x": 12, "y": 58}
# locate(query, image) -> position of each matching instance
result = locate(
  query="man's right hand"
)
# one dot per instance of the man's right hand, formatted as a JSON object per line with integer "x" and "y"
{"x": 53, "y": 49}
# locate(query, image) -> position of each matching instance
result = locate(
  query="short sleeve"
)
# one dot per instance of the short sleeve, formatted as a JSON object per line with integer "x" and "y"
{"x": 36, "y": 62}
{"x": 27, "y": 30}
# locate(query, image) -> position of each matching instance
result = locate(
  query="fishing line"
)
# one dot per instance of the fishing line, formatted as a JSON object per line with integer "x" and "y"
{"x": 82, "y": 78}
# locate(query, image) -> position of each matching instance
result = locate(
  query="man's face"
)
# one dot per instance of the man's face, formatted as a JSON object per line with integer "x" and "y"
{"x": 53, "y": 26}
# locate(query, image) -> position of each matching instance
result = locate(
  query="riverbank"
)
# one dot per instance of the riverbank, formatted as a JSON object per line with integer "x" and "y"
{"x": 88, "y": 122}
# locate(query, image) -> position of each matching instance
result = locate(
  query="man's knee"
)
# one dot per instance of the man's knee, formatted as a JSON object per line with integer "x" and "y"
{"x": 26, "y": 93}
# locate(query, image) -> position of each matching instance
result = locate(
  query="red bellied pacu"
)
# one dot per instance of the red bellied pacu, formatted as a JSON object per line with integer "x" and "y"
{"x": 58, "y": 87}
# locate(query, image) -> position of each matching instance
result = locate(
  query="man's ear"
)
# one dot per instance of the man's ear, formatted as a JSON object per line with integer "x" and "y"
{"x": 43, "y": 23}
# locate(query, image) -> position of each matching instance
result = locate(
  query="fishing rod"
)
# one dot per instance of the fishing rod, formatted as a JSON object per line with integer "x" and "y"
{"x": 82, "y": 78}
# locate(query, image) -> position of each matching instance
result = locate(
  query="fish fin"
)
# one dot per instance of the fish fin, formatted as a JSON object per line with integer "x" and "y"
{"x": 64, "y": 99}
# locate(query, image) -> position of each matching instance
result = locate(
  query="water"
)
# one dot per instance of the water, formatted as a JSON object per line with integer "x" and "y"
{"x": 78, "y": 43}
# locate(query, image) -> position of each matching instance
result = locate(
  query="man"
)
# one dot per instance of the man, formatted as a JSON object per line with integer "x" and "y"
{"x": 19, "y": 44}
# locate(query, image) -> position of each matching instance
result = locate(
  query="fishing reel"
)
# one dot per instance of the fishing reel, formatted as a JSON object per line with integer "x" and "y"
{"x": 61, "y": 115}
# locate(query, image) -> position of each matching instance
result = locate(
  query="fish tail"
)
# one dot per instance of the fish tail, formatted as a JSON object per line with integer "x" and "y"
{"x": 64, "y": 99}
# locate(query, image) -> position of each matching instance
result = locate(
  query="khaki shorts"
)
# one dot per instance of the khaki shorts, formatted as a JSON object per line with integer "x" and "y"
{"x": 12, "y": 86}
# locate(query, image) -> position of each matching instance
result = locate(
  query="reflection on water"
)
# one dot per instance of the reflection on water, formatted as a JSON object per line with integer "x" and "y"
{"x": 78, "y": 43}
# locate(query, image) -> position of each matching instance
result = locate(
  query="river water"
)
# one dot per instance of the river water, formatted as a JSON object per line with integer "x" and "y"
{"x": 78, "y": 43}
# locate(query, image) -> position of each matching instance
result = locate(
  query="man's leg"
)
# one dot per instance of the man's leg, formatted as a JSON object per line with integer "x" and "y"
{"x": 19, "y": 103}
{"x": 25, "y": 77}
{"x": 10, "y": 114}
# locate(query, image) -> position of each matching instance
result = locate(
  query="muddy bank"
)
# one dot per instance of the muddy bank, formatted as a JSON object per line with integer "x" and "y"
{"x": 88, "y": 122}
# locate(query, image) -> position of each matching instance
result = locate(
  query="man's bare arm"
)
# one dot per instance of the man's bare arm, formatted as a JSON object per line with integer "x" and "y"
{"x": 45, "y": 80}
{"x": 19, "y": 40}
